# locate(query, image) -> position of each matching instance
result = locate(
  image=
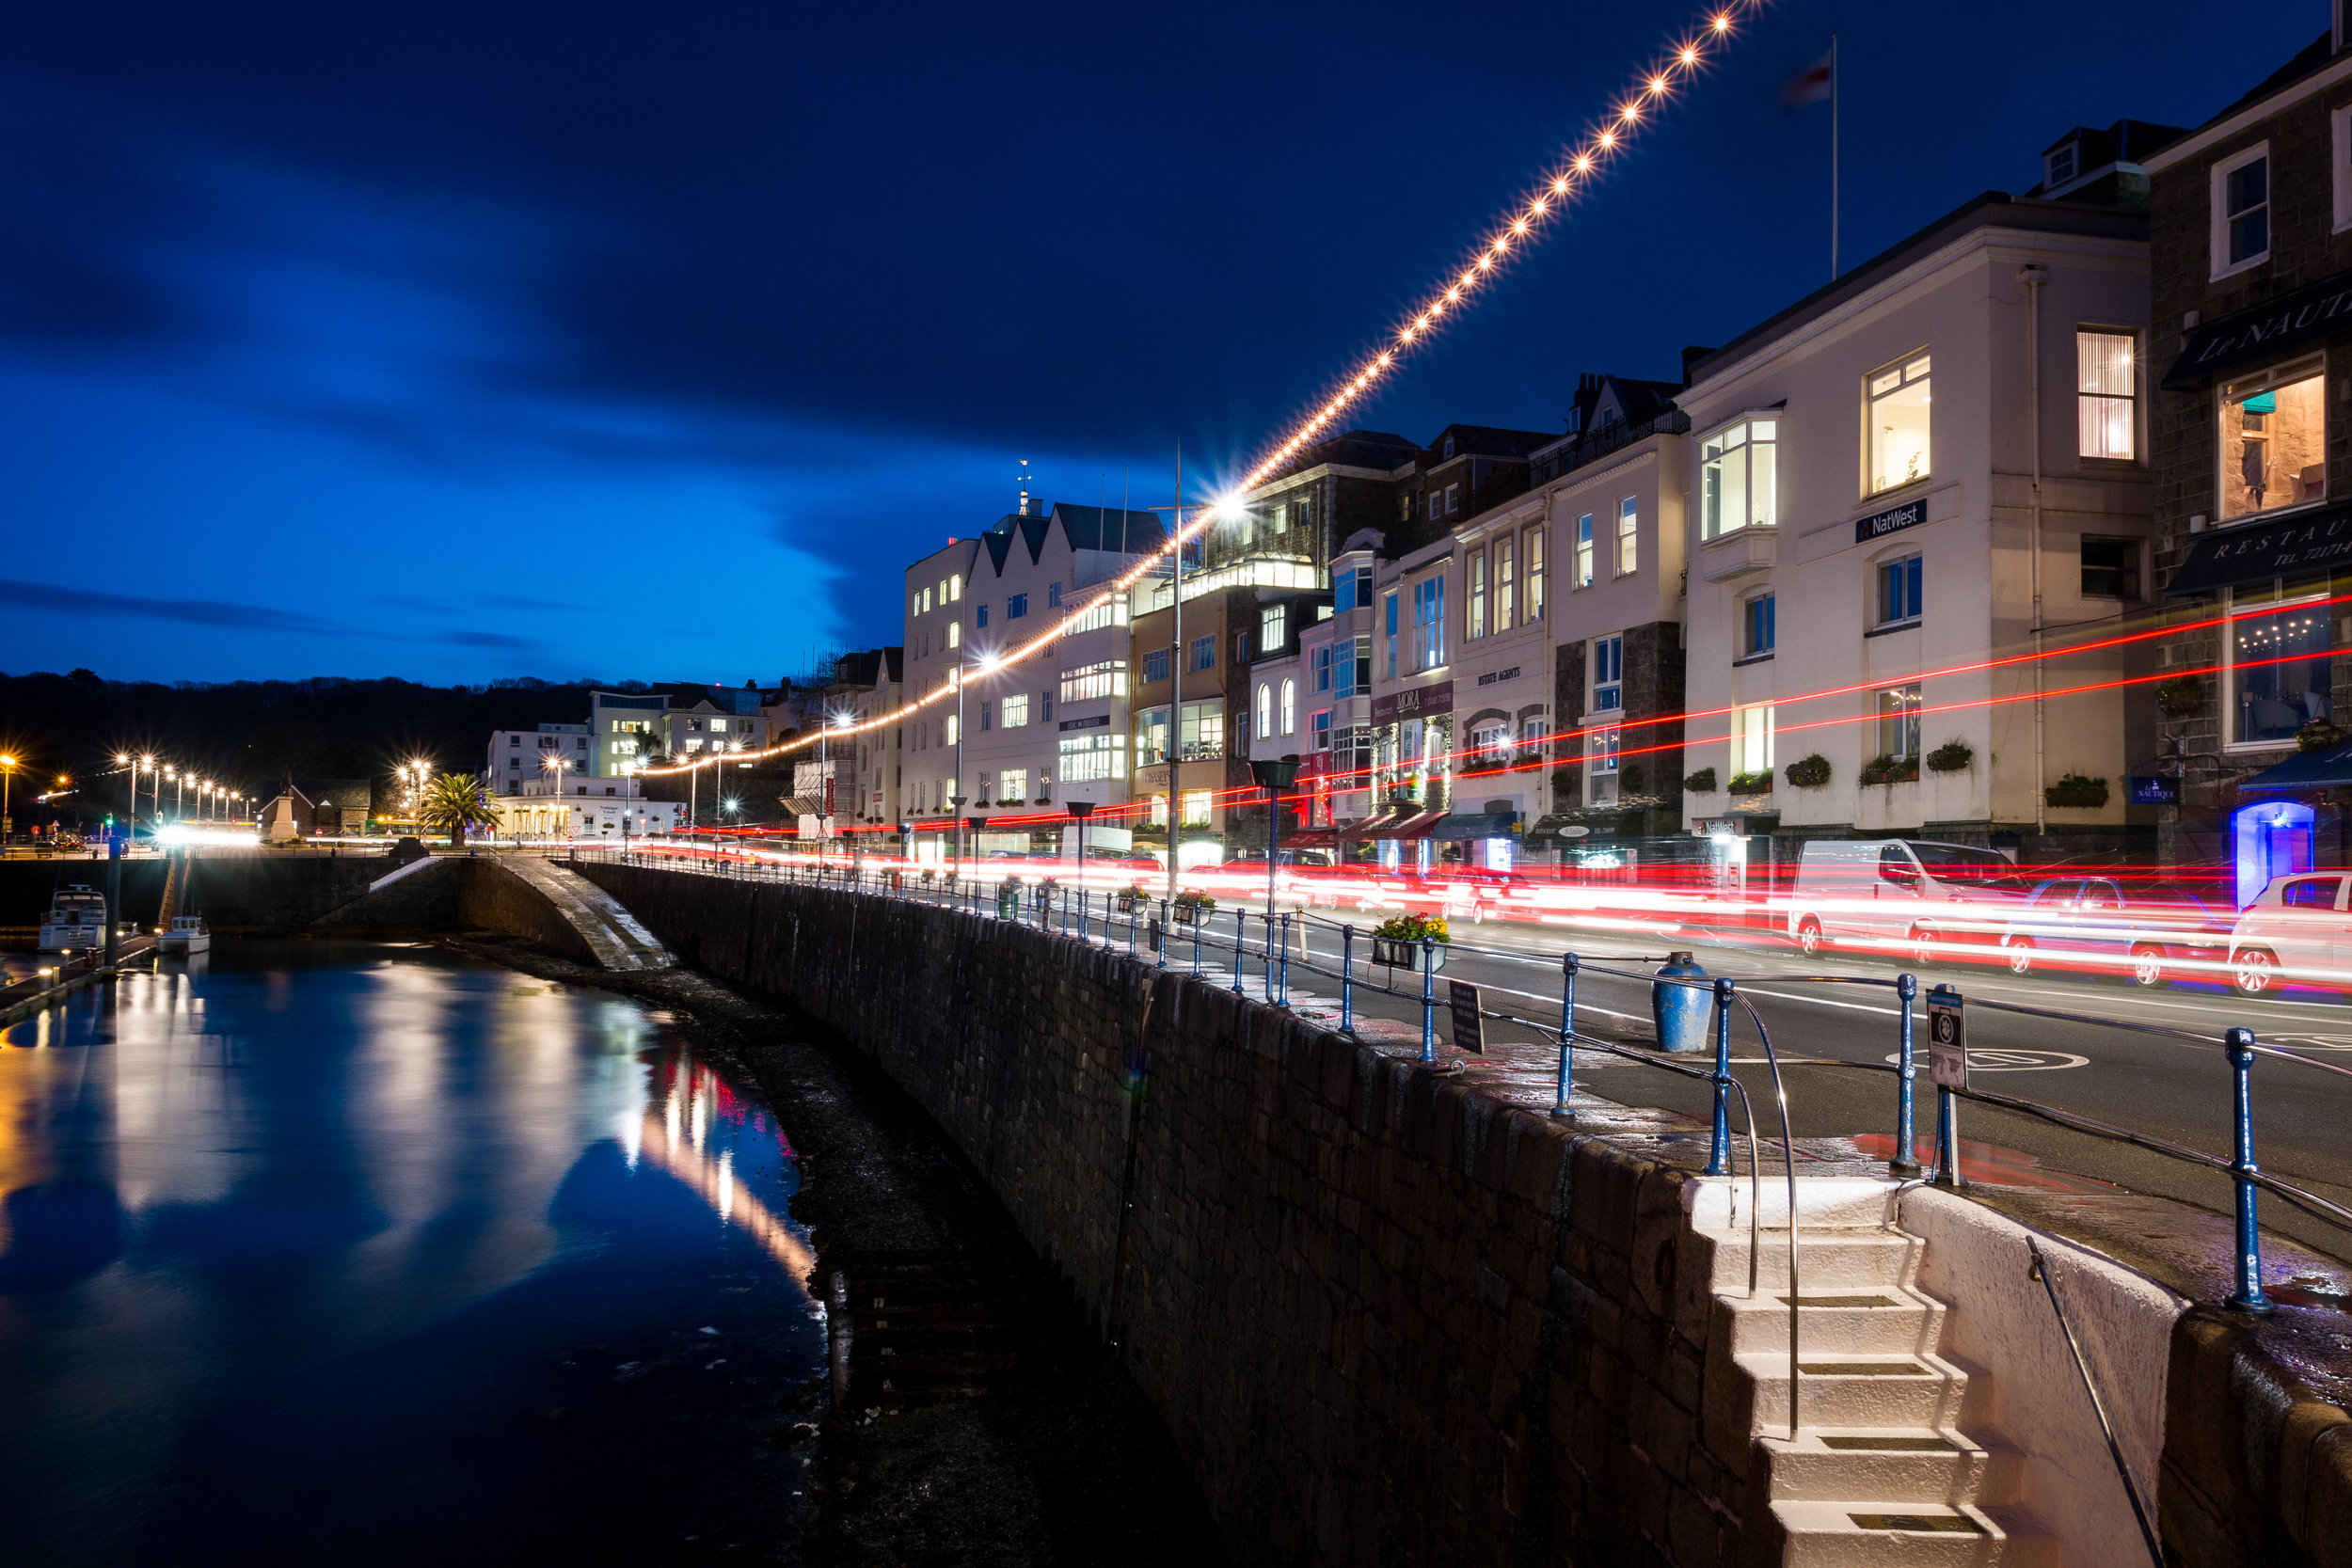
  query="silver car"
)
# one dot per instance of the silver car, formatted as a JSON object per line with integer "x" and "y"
{"x": 2148, "y": 933}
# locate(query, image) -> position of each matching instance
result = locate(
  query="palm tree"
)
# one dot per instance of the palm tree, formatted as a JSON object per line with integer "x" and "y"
{"x": 456, "y": 802}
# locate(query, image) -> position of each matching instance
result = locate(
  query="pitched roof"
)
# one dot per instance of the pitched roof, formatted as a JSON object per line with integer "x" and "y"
{"x": 1083, "y": 528}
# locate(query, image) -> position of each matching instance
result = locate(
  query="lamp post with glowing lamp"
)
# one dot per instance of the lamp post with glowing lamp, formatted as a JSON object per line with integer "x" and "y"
{"x": 7, "y": 776}
{"x": 1273, "y": 776}
{"x": 552, "y": 764}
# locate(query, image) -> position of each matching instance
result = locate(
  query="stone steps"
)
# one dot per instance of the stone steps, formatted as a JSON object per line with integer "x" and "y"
{"x": 1907, "y": 1465}
{"x": 1886, "y": 1535}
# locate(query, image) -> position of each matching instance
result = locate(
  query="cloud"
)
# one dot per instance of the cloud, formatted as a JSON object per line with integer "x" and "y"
{"x": 201, "y": 612}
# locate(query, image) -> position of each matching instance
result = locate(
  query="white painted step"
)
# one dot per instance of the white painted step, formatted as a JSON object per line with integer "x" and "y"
{"x": 1890, "y": 1320}
{"x": 1883, "y": 1535}
{"x": 1889, "y": 1392}
{"x": 1828, "y": 1262}
{"x": 1823, "y": 1202}
{"x": 1915, "y": 1464}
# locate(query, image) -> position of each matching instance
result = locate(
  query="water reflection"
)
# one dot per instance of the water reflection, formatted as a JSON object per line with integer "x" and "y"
{"x": 290, "y": 1242}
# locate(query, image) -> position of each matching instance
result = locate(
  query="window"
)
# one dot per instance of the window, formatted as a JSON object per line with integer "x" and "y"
{"x": 1290, "y": 705}
{"x": 942, "y": 590}
{"x": 1608, "y": 674}
{"x": 1390, "y": 634}
{"x": 1752, "y": 740}
{"x": 1895, "y": 408}
{"x": 1755, "y": 627}
{"x": 1435, "y": 502}
{"x": 1506, "y": 584}
{"x": 2106, "y": 390}
{"x": 1453, "y": 498}
{"x": 1241, "y": 647}
{"x": 1738, "y": 485}
{"x": 953, "y": 731}
{"x": 1203, "y": 654}
{"x": 1266, "y": 707}
{"x": 2110, "y": 568}
{"x": 1270, "y": 629}
{"x": 2280, "y": 668}
{"x": 1088, "y": 683}
{"x": 1585, "y": 551}
{"x": 2273, "y": 434}
{"x": 2311, "y": 893}
{"x": 955, "y": 634}
{"x": 2241, "y": 210}
{"x": 1536, "y": 573}
{"x": 1195, "y": 808}
{"x": 984, "y": 713}
{"x": 1016, "y": 711}
{"x": 1898, "y": 591}
{"x": 922, "y": 601}
{"x": 1491, "y": 744}
{"x": 1152, "y": 736}
{"x": 1321, "y": 725}
{"x": 1111, "y": 613}
{"x": 955, "y": 587}
{"x": 1476, "y": 566}
{"x": 1600, "y": 765}
{"x": 1052, "y": 595}
{"x": 1156, "y": 664}
{"x": 1898, "y": 722}
{"x": 1092, "y": 754}
{"x": 1044, "y": 706}
{"x": 2059, "y": 164}
{"x": 1352, "y": 667}
{"x": 1629, "y": 526}
{"x": 1352, "y": 590}
{"x": 1016, "y": 606}
{"x": 1013, "y": 784}
{"x": 980, "y": 616}
{"x": 1201, "y": 730}
{"x": 1321, "y": 665}
{"x": 1429, "y": 622}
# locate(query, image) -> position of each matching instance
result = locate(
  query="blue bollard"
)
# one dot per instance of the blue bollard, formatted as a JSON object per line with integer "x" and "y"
{"x": 1719, "y": 1148}
{"x": 2249, "y": 1295}
{"x": 1906, "y": 1077}
{"x": 1198, "y": 918}
{"x": 1347, "y": 980}
{"x": 1429, "y": 999}
{"x": 1679, "y": 1010}
{"x": 1241, "y": 930}
{"x": 1286, "y": 960}
{"x": 1567, "y": 1032}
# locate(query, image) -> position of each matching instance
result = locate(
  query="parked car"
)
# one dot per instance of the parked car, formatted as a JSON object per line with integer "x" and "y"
{"x": 1895, "y": 892}
{"x": 2295, "y": 933}
{"x": 2144, "y": 932}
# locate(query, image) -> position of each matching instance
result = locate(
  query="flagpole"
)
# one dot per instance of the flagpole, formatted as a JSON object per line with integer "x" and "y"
{"x": 1832, "y": 157}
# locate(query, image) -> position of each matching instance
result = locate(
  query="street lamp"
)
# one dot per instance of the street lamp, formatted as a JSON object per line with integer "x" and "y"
{"x": 1079, "y": 811}
{"x": 553, "y": 764}
{"x": 1273, "y": 776}
{"x": 7, "y": 776}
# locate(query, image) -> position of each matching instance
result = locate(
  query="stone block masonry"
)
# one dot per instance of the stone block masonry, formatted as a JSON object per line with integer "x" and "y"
{"x": 1385, "y": 1318}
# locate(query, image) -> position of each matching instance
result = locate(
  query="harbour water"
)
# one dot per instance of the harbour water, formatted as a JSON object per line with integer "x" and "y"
{"x": 320, "y": 1252}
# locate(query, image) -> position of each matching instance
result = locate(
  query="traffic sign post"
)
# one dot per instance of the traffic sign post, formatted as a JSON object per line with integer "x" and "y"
{"x": 1947, "y": 1070}
{"x": 1469, "y": 1025}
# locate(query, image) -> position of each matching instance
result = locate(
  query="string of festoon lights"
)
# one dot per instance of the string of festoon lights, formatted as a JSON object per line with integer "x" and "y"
{"x": 1515, "y": 232}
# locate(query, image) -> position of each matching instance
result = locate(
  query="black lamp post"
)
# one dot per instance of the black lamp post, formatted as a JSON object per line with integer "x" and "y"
{"x": 1079, "y": 811}
{"x": 1274, "y": 775}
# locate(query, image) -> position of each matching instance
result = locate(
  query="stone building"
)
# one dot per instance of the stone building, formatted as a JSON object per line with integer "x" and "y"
{"x": 2250, "y": 340}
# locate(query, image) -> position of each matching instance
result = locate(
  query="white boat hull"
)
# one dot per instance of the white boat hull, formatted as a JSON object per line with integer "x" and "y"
{"x": 186, "y": 941}
{"x": 71, "y": 939}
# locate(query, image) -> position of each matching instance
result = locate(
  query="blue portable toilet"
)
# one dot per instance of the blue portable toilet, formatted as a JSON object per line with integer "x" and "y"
{"x": 1680, "y": 1012}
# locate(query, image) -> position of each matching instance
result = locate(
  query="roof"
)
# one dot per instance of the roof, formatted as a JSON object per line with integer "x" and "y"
{"x": 1084, "y": 527}
{"x": 1987, "y": 209}
{"x": 2313, "y": 57}
{"x": 2328, "y": 770}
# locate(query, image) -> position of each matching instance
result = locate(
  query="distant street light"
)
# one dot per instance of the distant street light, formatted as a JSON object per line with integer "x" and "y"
{"x": 7, "y": 776}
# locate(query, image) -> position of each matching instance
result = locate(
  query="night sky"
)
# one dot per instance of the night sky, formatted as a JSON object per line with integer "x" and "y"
{"x": 636, "y": 341}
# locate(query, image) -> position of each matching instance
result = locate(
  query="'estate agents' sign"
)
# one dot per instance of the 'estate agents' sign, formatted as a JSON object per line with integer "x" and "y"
{"x": 1893, "y": 520}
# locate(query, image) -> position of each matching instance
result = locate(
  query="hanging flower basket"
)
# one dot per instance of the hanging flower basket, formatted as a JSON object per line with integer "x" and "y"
{"x": 2076, "y": 791}
{"x": 1953, "y": 756}
{"x": 1700, "y": 782}
{"x": 1751, "y": 783}
{"x": 1808, "y": 772}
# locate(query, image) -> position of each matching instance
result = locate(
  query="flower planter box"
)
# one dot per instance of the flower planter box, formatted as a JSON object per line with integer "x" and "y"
{"x": 1189, "y": 915}
{"x": 1130, "y": 901}
{"x": 2086, "y": 798}
{"x": 1404, "y": 953}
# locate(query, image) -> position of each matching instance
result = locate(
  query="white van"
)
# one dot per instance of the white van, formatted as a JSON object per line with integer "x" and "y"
{"x": 1897, "y": 893}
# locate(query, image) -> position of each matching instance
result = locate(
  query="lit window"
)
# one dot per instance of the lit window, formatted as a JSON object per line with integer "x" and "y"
{"x": 1016, "y": 711}
{"x": 1752, "y": 740}
{"x": 1506, "y": 584}
{"x": 1491, "y": 744}
{"x": 1104, "y": 677}
{"x": 1898, "y": 591}
{"x": 1756, "y": 626}
{"x": 1600, "y": 765}
{"x": 2241, "y": 210}
{"x": 1201, "y": 730}
{"x": 955, "y": 587}
{"x": 1012, "y": 786}
{"x": 1266, "y": 707}
{"x": 1628, "y": 532}
{"x": 1092, "y": 754}
{"x": 2106, "y": 392}
{"x": 1899, "y": 723}
{"x": 1585, "y": 551}
{"x": 1290, "y": 705}
{"x": 1151, "y": 737}
{"x": 1477, "y": 567}
{"x": 1608, "y": 674}
{"x": 1195, "y": 808}
{"x": 955, "y": 634}
{"x": 1270, "y": 629}
{"x": 1739, "y": 483}
{"x": 1895, "y": 408}
{"x": 2281, "y": 673}
{"x": 1535, "y": 574}
{"x": 952, "y": 731}
{"x": 2273, "y": 442}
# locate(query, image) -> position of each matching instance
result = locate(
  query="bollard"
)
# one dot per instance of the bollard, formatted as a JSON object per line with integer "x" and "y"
{"x": 1429, "y": 999}
{"x": 1719, "y": 1148}
{"x": 1567, "y": 1032}
{"x": 1286, "y": 960}
{"x": 1131, "y": 903}
{"x": 1240, "y": 930}
{"x": 1199, "y": 919}
{"x": 1083, "y": 901}
{"x": 1680, "y": 1011}
{"x": 2249, "y": 1295}
{"x": 1906, "y": 1074}
{"x": 1347, "y": 982}
{"x": 1267, "y": 954}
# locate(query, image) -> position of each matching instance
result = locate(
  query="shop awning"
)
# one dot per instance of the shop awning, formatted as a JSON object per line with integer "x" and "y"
{"x": 1476, "y": 825}
{"x": 1417, "y": 826}
{"x": 1306, "y": 838}
{"x": 2295, "y": 546}
{"x": 804, "y": 805}
{"x": 2271, "y": 330}
{"x": 2329, "y": 770}
{"x": 1369, "y": 827}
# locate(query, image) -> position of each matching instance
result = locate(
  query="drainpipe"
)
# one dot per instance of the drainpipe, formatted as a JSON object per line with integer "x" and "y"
{"x": 2033, "y": 277}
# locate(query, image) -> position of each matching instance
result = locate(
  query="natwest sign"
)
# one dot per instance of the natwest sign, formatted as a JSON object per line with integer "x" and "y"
{"x": 1417, "y": 702}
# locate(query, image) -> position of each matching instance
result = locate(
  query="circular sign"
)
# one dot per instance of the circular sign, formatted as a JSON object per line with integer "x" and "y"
{"x": 1981, "y": 1059}
{"x": 1576, "y": 832}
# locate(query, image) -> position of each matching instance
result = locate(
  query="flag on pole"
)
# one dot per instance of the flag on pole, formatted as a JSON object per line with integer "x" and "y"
{"x": 1809, "y": 86}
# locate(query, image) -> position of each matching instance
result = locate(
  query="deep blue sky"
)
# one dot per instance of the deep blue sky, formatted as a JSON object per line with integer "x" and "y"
{"x": 467, "y": 340}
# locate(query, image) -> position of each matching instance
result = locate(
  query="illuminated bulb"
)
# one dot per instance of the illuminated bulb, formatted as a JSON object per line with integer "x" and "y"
{"x": 1689, "y": 56}
{"x": 1485, "y": 261}
{"x": 1384, "y": 359}
{"x": 1559, "y": 187}
{"x": 1656, "y": 84}
{"x": 1584, "y": 163}
{"x": 1452, "y": 295}
{"x": 1518, "y": 228}
{"x": 1630, "y": 115}
{"x": 1722, "y": 23}
{"x": 1608, "y": 139}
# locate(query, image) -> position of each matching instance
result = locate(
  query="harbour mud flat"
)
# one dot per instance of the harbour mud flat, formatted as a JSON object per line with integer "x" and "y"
{"x": 972, "y": 1416}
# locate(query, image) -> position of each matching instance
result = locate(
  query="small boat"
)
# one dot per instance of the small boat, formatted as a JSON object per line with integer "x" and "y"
{"x": 76, "y": 919}
{"x": 187, "y": 934}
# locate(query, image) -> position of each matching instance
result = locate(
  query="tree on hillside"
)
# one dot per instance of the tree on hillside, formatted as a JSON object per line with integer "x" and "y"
{"x": 454, "y": 804}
